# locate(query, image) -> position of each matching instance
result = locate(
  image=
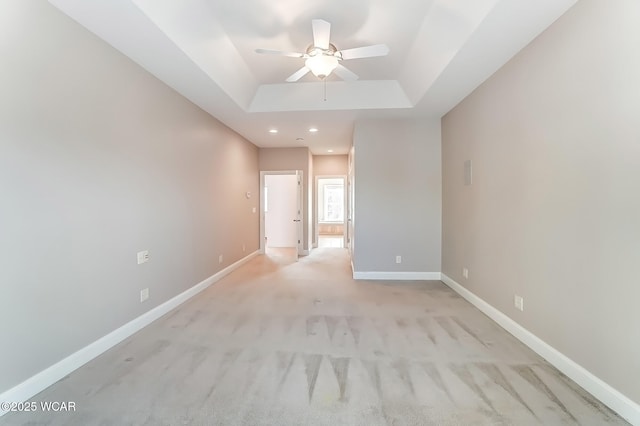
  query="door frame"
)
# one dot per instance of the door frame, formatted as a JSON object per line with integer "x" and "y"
{"x": 299, "y": 228}
{"x": 345, "y": 231}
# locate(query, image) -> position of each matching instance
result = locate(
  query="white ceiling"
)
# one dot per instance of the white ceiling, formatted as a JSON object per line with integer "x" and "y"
{"x": 440, "y": 50}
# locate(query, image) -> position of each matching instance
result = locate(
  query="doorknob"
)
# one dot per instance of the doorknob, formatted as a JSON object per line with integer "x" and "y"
{"x": 296, "y": 220}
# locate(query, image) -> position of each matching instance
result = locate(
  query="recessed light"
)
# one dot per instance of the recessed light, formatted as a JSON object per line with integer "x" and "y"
{"x": 313, "y": 130}
{"x": 329, "y": 150}
{"x": 274, "y": 131}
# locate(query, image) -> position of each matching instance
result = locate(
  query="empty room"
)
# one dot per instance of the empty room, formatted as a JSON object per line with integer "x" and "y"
{"x": 355, "y": 212}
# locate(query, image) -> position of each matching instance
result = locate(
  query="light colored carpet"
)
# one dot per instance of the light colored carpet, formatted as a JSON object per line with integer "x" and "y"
{"x": 280, "y": 342}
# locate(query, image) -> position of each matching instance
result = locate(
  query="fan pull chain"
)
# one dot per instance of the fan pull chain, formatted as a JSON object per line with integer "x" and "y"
{"x": 325, "y": 89}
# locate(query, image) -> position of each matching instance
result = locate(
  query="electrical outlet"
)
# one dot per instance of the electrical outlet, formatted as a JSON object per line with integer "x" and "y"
{"x": 144, "y": 295}
{"x": 143, "y": 256}
{"x": 253, "y": 210}
{"x": 465, "y": 273}
{"x": 220, "y": 259}
{"x": 398, "y": 259}
{"x": 518, "y": 302}
{"x": 244, "y": 248}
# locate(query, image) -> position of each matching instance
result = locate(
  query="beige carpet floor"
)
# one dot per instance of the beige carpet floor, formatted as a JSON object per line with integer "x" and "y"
{"x": 280, "y": 342}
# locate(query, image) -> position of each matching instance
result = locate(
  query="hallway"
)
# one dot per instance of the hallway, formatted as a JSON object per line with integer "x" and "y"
{"x": 280, "y": 342}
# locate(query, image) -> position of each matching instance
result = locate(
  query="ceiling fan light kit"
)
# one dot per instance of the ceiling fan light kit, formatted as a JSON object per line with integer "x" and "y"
{"x": 322, "y": 58}
{"x": 321, "y": 65}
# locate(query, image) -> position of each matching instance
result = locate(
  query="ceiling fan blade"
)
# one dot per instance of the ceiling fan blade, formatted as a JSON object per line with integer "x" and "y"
{"x": 345, "y": 73}
{"x": 298, "y": 75}
{"x": 365, "y": 52}
{"x": 278, "y": 52}
{"x": 321, "y": 33}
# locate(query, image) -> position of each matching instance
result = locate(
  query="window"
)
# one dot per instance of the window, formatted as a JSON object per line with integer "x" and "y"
{"x": 333, "y": 203}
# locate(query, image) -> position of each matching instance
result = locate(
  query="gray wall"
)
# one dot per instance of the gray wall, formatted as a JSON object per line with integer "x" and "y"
{"x": 282, "y": 159}
{"x": 553, "y": 213}
{"x": 397, "y": 196}
{"x": 99, "y": 160}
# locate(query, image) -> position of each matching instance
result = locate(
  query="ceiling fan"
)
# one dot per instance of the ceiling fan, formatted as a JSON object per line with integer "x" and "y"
{"x": 322, "y": 57}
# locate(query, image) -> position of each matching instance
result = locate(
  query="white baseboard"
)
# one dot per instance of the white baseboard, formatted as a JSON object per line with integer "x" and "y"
{"x": 609, "y": 396}
{"x": 407, "y": 276}
{"x": 42, "y": 380}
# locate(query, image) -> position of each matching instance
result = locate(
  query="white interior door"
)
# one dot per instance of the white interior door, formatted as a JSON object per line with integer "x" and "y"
{"x": 281, "y": 210}
{"x": 298, "y": 220}
{"x": 350, "y": 208}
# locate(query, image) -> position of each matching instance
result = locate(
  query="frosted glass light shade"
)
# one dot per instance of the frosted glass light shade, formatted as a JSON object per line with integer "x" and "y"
{"x": 321, "y": 65}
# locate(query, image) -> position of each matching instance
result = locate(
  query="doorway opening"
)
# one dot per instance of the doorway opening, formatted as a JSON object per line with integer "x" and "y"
{"x": 331, "y": 214}
{"x": 280, "y": 214}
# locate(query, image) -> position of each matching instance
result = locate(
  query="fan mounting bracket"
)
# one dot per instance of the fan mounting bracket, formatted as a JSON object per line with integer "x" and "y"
{"x": 316, "y": 51}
